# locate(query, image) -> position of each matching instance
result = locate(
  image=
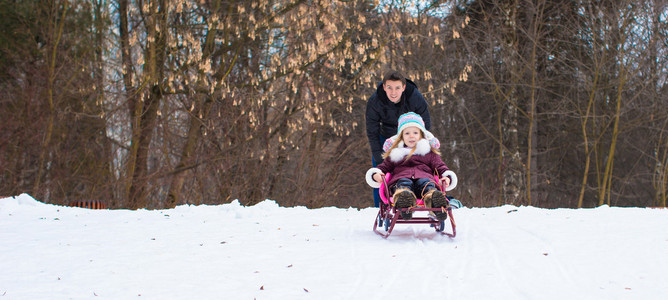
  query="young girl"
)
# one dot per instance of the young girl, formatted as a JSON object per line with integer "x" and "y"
{"x": 413, "y": 159}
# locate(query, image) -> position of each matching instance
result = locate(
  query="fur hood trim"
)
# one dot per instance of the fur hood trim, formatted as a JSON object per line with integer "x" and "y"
{"x": 421, "y": 148}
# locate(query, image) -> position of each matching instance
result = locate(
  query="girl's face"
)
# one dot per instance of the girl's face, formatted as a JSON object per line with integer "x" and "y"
{"x": 411, "y": 135}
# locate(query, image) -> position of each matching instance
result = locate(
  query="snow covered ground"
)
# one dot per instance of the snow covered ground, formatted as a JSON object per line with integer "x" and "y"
{"x": 271, "y": 252}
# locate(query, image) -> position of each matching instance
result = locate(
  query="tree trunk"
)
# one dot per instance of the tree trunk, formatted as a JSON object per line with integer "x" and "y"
{"x": 144, "y": 114}
{"x": 196, "y": 119}
{"x": 130, "y": 93}
{"x": 193, "y": 137}
{"x": 607, "y": 174}
{"x": 55, "y": 35}
{"x": 141, "y": 144}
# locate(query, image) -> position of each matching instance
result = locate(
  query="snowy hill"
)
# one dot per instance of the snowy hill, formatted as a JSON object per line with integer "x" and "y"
{"x": 271, "y": 252}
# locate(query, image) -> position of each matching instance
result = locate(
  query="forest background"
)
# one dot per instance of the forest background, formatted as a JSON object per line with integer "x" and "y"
{"x": 153, "y": 104}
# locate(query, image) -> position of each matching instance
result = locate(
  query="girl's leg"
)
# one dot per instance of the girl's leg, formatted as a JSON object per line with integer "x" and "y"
{"x": 404, "y": 196}
{"x": 433, "y": 197}
{"x": 405, "y": 183}
{"x": 423, "y": 186}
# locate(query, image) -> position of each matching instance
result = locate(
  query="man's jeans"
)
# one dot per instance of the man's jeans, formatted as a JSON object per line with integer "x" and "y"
{"x": 376, "y": 195}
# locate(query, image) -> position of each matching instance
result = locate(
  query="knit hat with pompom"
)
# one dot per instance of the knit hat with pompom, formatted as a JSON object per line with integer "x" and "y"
{"x": 407, "y": 120}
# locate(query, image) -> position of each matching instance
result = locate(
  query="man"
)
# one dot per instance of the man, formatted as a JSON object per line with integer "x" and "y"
{"x": 394, "y": 96}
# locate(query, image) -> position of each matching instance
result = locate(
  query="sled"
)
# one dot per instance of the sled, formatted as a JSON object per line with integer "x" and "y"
{"x": 389, "y": 215}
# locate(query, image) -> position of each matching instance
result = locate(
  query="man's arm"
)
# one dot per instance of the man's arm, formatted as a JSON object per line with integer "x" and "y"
{"x": 373, "y": 130}
{"x": 417, "y": 103}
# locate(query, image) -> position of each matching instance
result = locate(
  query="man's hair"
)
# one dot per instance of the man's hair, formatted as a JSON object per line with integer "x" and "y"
{"x": 394, "y": 75}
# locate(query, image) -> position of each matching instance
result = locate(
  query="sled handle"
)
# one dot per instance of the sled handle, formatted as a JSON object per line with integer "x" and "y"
{"x": 386, "y": 195}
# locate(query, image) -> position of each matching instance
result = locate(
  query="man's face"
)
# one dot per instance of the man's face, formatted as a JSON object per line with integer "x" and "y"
{"x": 394, "y": 88}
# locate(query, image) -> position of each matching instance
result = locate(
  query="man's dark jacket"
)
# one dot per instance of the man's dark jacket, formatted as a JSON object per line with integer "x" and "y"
{"x": 382, "y": 115}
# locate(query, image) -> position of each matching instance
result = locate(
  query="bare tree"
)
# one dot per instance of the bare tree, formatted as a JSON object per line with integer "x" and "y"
{"x": 160, "y": 103}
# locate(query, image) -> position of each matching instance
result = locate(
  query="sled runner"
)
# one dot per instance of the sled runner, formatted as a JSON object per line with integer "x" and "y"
{"x": 389, "y": 215}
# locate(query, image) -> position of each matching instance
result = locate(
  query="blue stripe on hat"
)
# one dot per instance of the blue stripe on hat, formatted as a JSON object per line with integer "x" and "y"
{"x": 412, "y": 121}
{"x": 410, "y": 117}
